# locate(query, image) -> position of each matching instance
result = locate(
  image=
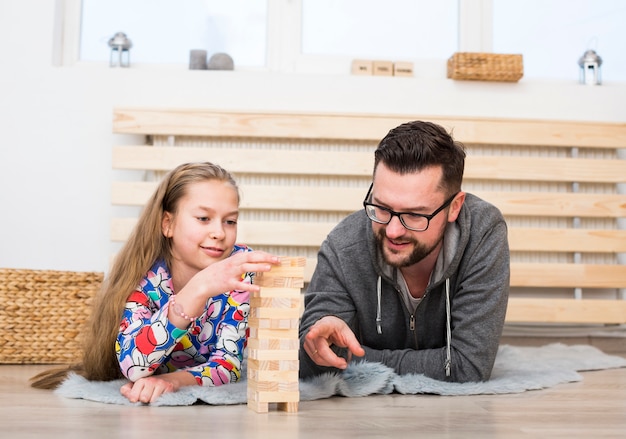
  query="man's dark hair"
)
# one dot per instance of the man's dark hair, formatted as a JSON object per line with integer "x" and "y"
{"x": 414, "y": 146}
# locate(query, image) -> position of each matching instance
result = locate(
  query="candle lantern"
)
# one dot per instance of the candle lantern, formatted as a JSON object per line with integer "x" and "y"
{"x": 120, "y": 45}
{"x": 590, "y": 64}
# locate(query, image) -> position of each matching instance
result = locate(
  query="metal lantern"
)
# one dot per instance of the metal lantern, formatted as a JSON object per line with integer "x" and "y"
{"x": 590, "y": 64}
{"x": 121, "y": 44}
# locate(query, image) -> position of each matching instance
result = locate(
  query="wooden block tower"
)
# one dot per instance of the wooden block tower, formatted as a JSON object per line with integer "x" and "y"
{"x": 273, "y": 344}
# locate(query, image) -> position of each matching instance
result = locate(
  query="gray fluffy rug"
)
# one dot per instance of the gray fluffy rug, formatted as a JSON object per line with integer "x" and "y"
{"x": 517, "y": 369}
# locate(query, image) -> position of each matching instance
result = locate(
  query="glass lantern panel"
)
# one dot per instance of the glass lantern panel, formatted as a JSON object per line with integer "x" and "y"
{"x": 552, "y": 35}
{"x": 374, "y": 29}
{"x": 165, "y": 31}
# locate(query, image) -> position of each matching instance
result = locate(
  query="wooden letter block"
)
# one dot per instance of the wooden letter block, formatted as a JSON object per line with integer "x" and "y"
{"x": 362, "y": 67}
{"x": 383, "y": 68}
{"x": 403, "y": 69}
{"x": 273, "y": 344}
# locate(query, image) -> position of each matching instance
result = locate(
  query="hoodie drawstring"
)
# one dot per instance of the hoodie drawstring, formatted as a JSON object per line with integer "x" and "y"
{"x": 378, "y": 311}
{"x": 448, "y": 330}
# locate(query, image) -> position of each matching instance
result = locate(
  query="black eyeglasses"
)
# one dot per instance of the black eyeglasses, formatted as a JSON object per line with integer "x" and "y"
{"x": 416, "y": 222}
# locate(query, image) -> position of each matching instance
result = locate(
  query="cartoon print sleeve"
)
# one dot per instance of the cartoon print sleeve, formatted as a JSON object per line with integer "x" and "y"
{"x": 146, "y": 337}
{"x": 224, "y": 334}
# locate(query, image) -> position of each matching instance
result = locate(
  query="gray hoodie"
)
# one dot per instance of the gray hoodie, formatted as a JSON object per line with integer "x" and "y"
{"x": 454, "y": 332}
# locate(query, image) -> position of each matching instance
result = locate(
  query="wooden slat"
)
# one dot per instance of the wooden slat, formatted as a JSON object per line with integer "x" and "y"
{"x": 303, "y": 234}
{"x": 214, "y": 123}
{"x": 531, "y": 310}
{"x": 289, "y": 162}
{"x": 262, "y": 197}
{"x": 548, "y": 169}
{"x": 557, "y": 204}
{"x": 248, "y": 161}
{"x": 545, "y": 276}
{"x": 311, "y": 234}
{"x": 253, "y": 233}
{"x": 556, "y": 275}
{"x": 348, "y": 199}
{"x": 283, "y": 233}
{"x": 532, "y": 239}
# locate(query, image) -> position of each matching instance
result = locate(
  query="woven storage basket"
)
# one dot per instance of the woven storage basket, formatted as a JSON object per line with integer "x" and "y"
{"x": 485, "y": 67}
{"x": 42, "y": 314}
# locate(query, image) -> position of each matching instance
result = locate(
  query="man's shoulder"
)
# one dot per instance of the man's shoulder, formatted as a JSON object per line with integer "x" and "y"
{"x": 353, "y": 221}
{"x": 351, "y": 230}
{"x": 477, "y": 204}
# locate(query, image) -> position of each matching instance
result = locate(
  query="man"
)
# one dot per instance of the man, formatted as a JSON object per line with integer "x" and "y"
{"x": 419, "y": 279}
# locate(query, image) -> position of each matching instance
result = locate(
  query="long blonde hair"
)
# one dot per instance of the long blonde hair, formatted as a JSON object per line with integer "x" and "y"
{"x": 145, "y": 245}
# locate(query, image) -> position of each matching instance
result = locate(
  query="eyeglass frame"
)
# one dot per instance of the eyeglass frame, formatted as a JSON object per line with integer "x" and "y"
{"x": 399, "y": 214}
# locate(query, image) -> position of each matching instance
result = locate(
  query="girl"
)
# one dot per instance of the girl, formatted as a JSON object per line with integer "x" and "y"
{"x": 185, "y": 319}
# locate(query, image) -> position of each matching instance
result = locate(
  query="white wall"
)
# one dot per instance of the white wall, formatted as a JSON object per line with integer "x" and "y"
{"x": 55, "y": 168}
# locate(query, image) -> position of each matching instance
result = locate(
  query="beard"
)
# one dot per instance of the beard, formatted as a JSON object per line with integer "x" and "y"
{"x": 420, "y": 250}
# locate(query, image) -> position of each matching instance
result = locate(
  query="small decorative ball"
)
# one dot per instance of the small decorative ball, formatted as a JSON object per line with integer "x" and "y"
{"x": 221, "y": 61}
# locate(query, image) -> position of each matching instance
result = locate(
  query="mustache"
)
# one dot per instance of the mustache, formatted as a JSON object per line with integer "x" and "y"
{"x": 381, "y": 236}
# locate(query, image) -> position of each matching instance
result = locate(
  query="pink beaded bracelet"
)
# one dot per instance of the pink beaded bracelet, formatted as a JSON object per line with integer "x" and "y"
{"x": 179, "y": 309}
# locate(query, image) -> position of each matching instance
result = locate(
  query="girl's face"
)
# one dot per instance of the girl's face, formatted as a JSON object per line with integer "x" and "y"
{"x": 204, "y": 228}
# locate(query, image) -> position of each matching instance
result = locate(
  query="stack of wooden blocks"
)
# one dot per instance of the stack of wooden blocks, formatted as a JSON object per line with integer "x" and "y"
{"x": 273, "y": 345}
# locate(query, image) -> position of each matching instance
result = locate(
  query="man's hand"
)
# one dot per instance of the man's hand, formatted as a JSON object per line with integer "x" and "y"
{"x": 327, "y": 331}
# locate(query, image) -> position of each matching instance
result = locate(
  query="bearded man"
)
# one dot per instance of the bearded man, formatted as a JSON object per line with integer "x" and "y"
{"x": 419, "y": 279}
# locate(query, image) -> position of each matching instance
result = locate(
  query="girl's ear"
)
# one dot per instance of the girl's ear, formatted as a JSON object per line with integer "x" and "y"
{"x": 455, "y": 206}
{"x": 166, "y": 224}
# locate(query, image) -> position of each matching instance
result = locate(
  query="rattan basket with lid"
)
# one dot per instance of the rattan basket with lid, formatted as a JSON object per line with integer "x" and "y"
{"x": 478, "y": 66}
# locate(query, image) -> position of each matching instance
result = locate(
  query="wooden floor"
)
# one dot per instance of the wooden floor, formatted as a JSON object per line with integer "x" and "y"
{"x": 593, "y": 408}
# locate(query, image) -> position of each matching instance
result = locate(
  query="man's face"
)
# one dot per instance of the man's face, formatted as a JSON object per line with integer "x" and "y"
{"x": 416, "y": 193}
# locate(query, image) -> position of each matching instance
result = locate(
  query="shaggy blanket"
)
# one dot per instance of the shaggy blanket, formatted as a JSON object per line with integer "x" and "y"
{"x": 517, "y": 369}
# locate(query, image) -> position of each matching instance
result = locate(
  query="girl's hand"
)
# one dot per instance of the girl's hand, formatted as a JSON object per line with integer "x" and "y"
{"x": 228, "y": 274}
{"x": 149, "y": 389}
{"x": 218, "y": 278}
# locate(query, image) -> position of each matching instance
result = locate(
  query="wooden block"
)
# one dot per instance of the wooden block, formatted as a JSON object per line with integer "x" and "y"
{"x": 272, "y": 354}
{"x": 362, "y": 67}
{"x": 292, "y": 293}
{"x": 289, "y": 407}
{"x": 275, "y": 313}
{"x": 255, "y": 324}
{"x": 259, "y": 407}
{"x": 273, "y": 333}
{"x": 263, "y": 407}
{"x": 290, "y": 273}
{"x": 284, "y": 303}
{"x": 270, "y": 343}
{"x": 274, "y": 388}
{"x": 383, "y": 68}
{"x": 403, "y": 69}
{"x": 273, "y": 364}
{"x": 291, "y": 278}
{"x": 292, "y": 261}
{"x": 273, "y": 396}
{"x": 273, "y": 375}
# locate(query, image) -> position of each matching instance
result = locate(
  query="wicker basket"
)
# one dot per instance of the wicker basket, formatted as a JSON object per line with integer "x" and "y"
{"x": 42, "y": 314}
{"x": 485, "y": 67}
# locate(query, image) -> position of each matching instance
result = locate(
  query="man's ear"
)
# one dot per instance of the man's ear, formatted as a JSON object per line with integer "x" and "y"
{"x": 455, "y": 207}
{"x": 166, "y": 224}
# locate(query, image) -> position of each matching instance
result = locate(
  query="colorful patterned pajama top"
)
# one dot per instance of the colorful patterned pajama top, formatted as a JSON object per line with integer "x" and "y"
{"x": 211, "y": 349}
